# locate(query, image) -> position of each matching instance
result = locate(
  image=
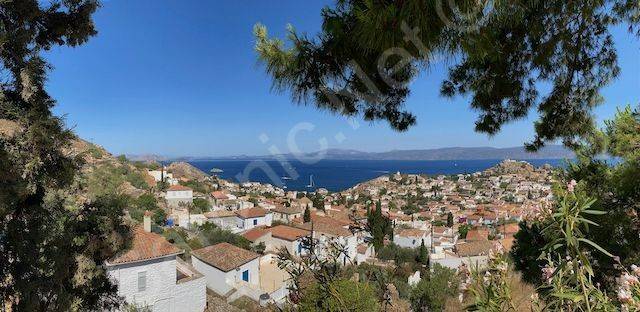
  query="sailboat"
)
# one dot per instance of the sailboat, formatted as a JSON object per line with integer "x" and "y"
{"x": 311, "y": 184}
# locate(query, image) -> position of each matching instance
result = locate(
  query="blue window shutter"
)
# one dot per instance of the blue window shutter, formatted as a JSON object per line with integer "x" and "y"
{"x": 245, "y": 276}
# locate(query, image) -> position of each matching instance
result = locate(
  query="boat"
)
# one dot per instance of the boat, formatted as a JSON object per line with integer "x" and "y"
{"x": 311, "y": 184}
{"x": 286, "y": 178}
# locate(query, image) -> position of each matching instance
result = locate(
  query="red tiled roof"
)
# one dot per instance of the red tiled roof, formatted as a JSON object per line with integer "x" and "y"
{"x": 412, "y": 233}
{"x": 255, "y": 233}
{"x": 179, "y": 188}
{"x": 224, "y": 256}
{"x": 251, "y": 212}
{"x": 146, "y": 246}
{"x": 219, "y": 214}
{"x": 477, "y": 234}
{"x": 327, "y": 225}
{"x": 288, "y": 232}
{"x": 287, "y": 210}
{"x": 475, "y": 248}
{"x": 219, "y": 195}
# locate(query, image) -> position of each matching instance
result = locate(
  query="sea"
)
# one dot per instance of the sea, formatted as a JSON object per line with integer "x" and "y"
{"x": 338, "y": 175}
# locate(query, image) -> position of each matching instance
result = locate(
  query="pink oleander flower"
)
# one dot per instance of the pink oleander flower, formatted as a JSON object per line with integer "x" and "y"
{"x": 547, "y": 273}
{"x": 635, "y": 269}
{"x": 624, "y": 295}
{"x": 502, "y": 267}
{"x": 571, "y": 186}
{"x": 627, "y": 280}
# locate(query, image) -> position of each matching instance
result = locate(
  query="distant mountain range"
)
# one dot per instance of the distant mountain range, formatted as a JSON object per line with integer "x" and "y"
{"x": 449, "y": 153}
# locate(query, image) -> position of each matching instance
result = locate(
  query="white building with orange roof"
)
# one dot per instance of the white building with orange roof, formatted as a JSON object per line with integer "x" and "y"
{"x": 178, "y": 194}
{"x": 252, "y": 217}
{"x": 151, "y": 275}
{"x": 412, "y": 238}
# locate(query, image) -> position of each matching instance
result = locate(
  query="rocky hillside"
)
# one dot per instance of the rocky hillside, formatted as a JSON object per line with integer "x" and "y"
{"x": 185, "y": 170}
{"x": 100, "y": 171}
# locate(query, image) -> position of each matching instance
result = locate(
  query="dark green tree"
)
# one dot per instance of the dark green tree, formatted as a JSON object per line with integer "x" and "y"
{"x": 526, "y": 252}
{"x": 307, "y": 215}
{"x": 617, "y": 192}
{"x": 423, "y": 254}
{"x": 508, "y": 57}
{"x": 449, "y": 220}
{"x": 378, "y": 226}
{"x": 433, "y": 290}
{"x": 52, "y": 247}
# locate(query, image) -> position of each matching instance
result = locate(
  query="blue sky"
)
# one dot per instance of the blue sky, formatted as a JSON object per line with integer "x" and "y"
{"x": 180, "y": 78}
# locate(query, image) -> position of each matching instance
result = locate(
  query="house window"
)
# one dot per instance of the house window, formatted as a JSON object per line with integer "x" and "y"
{"x": 142, "y": 281}
{"x": 245, "y": 276}
{"x": 255, "y": 221}
{"x": 299, "y": 248}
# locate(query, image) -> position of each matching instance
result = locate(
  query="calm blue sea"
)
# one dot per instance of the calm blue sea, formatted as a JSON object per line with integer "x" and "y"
{"x": 337, "y": 175}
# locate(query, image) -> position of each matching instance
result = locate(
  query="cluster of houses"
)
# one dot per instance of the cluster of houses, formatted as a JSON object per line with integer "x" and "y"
{"x": 457, "y": 218}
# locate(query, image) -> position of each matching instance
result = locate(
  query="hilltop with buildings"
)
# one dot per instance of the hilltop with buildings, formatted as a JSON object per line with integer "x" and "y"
{"x": 230, "y": 233}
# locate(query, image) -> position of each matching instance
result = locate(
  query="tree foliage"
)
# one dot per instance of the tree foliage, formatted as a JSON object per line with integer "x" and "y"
{"x": 52, "y": 246}
{"x": 503, "y": 55}
{"x": 434, "y": 289}
{"x": 378, "y": 226}
{"x": 617, "y": 193}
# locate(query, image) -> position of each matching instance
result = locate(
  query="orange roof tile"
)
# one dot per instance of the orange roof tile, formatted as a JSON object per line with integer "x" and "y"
{"x": 251, "y": 212}
{"x": 219, "y": 195}
{"x": 146, "y": 246}
{"x": 412, "y": 233}
{"x": 224, "y": 256}
{"x": 288, "y": 232}
{"x": 255, "y": 233}
{"x": 179, "y": 187}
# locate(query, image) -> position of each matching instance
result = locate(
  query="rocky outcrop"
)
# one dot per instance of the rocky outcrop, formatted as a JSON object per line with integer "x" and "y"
{"x": 185, "y": 170}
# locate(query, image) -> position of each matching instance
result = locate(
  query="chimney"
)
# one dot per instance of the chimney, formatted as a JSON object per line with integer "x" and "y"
{"x": 147, "y": 221}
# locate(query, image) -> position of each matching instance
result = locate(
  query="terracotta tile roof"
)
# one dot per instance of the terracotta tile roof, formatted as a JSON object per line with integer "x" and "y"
{"x": 146, "y": 246}
{"x": 477, "y": 234}
{"x": 288, "y": 232}
{"x": 510, "y": 228}
{"x": 362, "y": 248}
{"x": 219, "y": 195}
{"x": 179, "y": 188}
{"x": 251, "y": 212}
{"x": 327, "y": 225}
{"x": 287, "y": 210}
{"x": 412, "y": 233}
{"x": 507, "y": 243}
{"x": 224, "y": 256}
{"x": 255, "y": 233}
{"x": 305, "y": 201}
{"x": 475, "y": 248}
{"x": 219, "y": 214}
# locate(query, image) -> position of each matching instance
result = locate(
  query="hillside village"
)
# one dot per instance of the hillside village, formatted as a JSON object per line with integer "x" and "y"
{"x": 202, "y": 242}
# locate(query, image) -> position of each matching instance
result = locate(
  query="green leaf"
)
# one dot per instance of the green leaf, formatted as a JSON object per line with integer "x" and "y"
{"x": 595, "y": 212}
{"x": 595, "y": 246}
{"x": 575, "y": 297}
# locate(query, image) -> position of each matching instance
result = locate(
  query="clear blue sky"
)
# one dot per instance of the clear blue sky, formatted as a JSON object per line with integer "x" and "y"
{"x": 180, "y": 78}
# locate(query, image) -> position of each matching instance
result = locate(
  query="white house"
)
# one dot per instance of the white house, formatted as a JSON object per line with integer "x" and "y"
{"x": 225, "y": 219}
{"x": 286, "y": 214}
{"x": 472, "y": 254}
{"x": 252, "y": 217}
{"x": 159, "y": 175}
{"x": 281, "y": 236}
{"x": 412, "y": 238}
{"x": 365, "y": 251}
{"x": 227, "y": 267}
{"x": 179, "y": 194}
{"x": 326, "y": 230}
{"x": 151, "y": 275}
